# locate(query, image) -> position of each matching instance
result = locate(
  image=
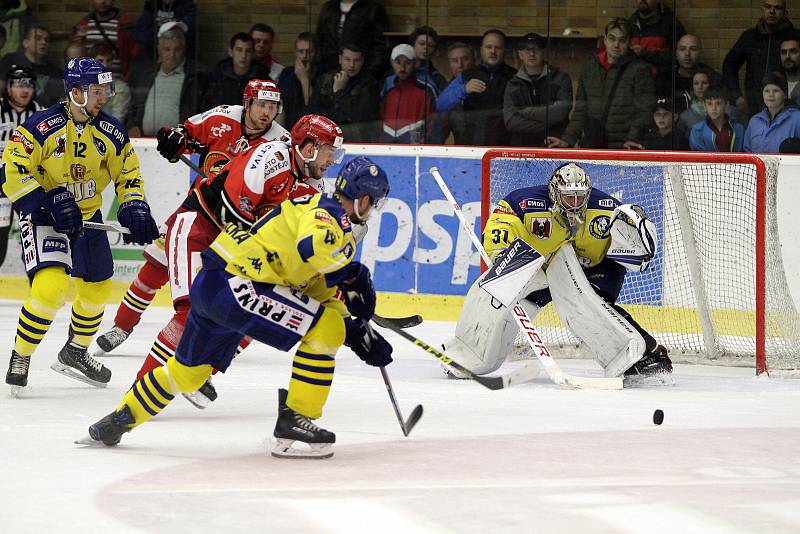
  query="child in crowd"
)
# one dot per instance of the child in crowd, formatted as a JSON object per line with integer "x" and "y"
{"x": 718, "y": 132}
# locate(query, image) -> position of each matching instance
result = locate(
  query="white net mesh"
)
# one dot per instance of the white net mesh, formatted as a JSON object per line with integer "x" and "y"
{"x": 699, "y": 296}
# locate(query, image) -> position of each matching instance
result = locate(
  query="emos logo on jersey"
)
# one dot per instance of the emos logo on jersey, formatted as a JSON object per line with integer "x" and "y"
{"x": 599, "y": 226}
{"x": 531, "y": 203}
{"x": 541, "y": 227}
{"x": 345, "y": 221}
{"x": 53, "y": 244}
{"x": 46, "y": 125}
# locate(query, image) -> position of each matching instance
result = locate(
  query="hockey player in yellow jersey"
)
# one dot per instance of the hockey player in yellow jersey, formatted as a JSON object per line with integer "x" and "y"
{"x": 56, "y": 165}
{"x": 585, "y": 233}
{"x": 277, "y": 283}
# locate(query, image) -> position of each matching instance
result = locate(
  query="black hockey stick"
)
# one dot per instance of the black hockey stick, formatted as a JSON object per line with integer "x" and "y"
{"x": 404, "y": 322}
{"x": 405, "y": 425}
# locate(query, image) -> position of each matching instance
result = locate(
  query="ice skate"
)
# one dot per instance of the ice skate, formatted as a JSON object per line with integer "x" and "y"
{"x": 204, "y": 396}
{"x": 654, "y": 369}
{"x": 108, "y": 430}
{"x": 292, "y": 427}
{"x": 75, "y": 362}
{"x": 17, "y": 375}
{"x": 109, "y": 341}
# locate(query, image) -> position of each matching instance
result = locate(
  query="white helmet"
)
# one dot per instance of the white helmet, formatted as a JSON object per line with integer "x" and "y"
{"x": 569, "y": 190}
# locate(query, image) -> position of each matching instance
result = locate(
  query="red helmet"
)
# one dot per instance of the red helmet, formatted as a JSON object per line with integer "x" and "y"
{"x": 318, "y": 129}
{"x": 261, "y": 90}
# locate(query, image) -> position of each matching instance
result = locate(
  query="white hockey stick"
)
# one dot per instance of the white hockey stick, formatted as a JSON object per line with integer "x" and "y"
{"x": 106, "y": 227}
{"x": 533, "y": 338}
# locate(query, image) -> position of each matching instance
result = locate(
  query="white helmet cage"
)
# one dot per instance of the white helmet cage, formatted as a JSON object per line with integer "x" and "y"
{"x": 569, "y": 190}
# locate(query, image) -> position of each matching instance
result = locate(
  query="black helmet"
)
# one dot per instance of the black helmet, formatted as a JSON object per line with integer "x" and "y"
{"x": 20, "y": 72}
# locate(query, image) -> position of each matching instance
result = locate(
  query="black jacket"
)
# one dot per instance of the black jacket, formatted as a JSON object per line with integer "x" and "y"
{"x": 141, "y": 80}
{"x": 354, "y": 108}
{"x": 480, "y": 122}
{"x": 364, "y": 26}
{"x": 655, "y": 35}
{"x": 226, "y": 87}
{"x": 535, "y": 108}
{"x": 760, "y": 49}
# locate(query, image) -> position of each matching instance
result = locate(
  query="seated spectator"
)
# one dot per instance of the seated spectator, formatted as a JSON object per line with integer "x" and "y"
{"x": 701, "y": 80}
{"x": 106, "y": 24}
{"x": 33, "y": 54}
{"x": 539, "y": 98}
{"x": 424, "y": 40}
{"x": 76, "y": 50}
{"x": 156, "y": 13}
{"x": 167, "y": 93}
{"x": 263, "y": 39}
{"x": 790, "y": 61}
{"x": 348, "y": 96}
{"x": 665, "y": 133}
{"x": 777, "y": 122}
{"x": 15, "y": 18}
{"x": 295, "y": 82}
{"x": 360, "y": 22}
{"x": 119, "y": 104}
{"x": 615, "y": 96}
{"x": 655, "y": 30}
{"x": 407, "y": 103}
{"x": 757, "y": 49}
{"x": 460, "y": 57}
{"x": 481, "y": 92}
{"x": 227, "y": 81}
{"x": 718, "y": 132}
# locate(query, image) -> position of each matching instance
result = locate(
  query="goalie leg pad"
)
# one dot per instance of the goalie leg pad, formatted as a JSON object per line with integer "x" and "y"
{"x": 613, "y": 341}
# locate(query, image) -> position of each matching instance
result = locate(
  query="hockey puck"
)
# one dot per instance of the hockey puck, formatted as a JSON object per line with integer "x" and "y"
{"x": 658, "y": 417}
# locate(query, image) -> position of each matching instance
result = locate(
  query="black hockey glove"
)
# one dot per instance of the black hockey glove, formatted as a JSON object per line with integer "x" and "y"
{"x": 359, "y": 293}
{"x": 171, "y": 142}
{"x": 368, "y": 344}
{"x": 61, "y": 205}
{"x": 135, "y": 216}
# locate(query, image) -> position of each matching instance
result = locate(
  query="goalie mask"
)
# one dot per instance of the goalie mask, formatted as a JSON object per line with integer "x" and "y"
{"x": 569, "y": 190}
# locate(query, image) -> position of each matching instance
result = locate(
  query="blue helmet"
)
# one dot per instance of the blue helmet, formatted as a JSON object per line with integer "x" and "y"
{"x": 361, "y": 176}
{"x": 83, "y": 71}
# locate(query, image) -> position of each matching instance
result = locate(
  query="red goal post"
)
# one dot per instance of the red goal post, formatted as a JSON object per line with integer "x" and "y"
{"x": 742, "y": 182}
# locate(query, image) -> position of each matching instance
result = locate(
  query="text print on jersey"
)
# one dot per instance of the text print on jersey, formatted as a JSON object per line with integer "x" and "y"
{"x": 268, "y": 308}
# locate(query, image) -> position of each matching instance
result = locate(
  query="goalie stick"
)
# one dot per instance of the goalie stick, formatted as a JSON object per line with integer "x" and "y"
{"x": 513, "y": 378}
{"x": 406, "y": 425}
{"x": 553, "y": 370}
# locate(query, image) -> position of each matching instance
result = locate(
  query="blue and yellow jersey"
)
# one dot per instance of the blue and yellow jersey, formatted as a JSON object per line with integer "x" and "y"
{"x": 49, "y": 150}
{"x": 527, "y": 214}
{"x": 295, "y": 245}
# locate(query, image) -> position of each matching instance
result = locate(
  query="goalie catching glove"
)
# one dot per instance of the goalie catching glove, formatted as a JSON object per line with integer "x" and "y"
{"x": 634, "y": 238}
{"x": 368, "y": 344}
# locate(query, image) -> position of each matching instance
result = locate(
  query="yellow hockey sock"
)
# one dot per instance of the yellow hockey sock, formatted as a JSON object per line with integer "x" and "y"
{"x": 87, "y": 310}
{"x": 48, "y": 290}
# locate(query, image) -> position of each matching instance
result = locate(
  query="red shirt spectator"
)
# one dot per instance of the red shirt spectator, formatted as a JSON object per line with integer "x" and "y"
{"x": 107, "y": 25}
{"x": 408, "y": 104}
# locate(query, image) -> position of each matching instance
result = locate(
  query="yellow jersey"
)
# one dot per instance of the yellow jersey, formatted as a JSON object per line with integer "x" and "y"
{"x": 527, "y": 214}
{"x": 295, "y": 245}
{"x": 50, "y": 150}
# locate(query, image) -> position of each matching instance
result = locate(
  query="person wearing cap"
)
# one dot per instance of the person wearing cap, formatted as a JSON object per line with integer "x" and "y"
{"x": 408, "y": 102}
{"x": 16, "y": 105}
{"x": 33, "y": 54}
{"x": 718, "y": 132}
{"x": 156, "y": 13}
{"x": 665, "y": 133}
{"x": 229, "y": 78}
{"x": 168, "y": 92}
{"x": 348, "y": 96}
{"x": 757, "y": 49}
{"x": 481, "y": 91}
{"x": 776, "y": 122}
{"x": 538, "y": 98}
{"x": 106, "y": 25}
{"x": 603, "y": 118}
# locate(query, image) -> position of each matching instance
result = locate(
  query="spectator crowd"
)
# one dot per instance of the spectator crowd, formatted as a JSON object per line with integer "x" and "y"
{"x": 645, "y": 87}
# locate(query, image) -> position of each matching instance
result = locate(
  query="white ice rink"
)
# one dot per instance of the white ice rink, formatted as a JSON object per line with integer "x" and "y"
{"x": 534, "y": 458}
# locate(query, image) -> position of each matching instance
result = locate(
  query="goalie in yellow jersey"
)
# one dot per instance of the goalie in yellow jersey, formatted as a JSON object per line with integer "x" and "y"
{"x": 56, "y": 165}
{"x": 276, "y": 283}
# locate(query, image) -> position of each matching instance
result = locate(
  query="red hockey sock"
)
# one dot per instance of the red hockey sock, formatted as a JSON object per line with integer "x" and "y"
{"x": 150, "y": 278}
{"x": 167, "y": 340}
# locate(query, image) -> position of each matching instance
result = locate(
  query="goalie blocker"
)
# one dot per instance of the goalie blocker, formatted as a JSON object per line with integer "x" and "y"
{"x": 526, "y": 235}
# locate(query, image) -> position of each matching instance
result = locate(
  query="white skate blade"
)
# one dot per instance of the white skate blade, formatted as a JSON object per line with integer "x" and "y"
{"x": 14, "y": 391}
{"x": 197, "y": 399}
{"x": 66, "y": 370}
{"x": 643, "y": 381}
{"x": 88, "y": 441}
{"x": 282, "y": 448}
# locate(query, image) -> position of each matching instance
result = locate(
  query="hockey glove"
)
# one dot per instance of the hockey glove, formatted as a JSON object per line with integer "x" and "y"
{"x": 359, "y": 294}
{"x": 135, "y": 216}
{"x": 171, "y": 142}
{"x": 64, "y": 210}
{"x": 368, "y": 345}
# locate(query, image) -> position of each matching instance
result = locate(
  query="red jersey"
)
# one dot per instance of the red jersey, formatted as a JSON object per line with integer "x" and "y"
{"x": 219, "y": 130}
{"x": 250, "y": 185}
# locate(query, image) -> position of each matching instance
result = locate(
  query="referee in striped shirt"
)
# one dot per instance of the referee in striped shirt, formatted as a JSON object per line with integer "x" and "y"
{"x": 16, "y": 105}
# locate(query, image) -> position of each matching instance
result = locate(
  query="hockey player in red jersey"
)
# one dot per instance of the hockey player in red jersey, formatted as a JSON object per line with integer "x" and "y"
{"x": 249, "y": 186}
{"x": 218, "y": 135}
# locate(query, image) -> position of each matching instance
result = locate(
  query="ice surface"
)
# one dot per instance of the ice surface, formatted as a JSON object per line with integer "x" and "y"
{"x": 534, "y": 458}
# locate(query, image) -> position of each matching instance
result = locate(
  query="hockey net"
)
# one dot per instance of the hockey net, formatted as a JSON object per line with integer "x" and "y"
{"x": 716, "y": 291}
